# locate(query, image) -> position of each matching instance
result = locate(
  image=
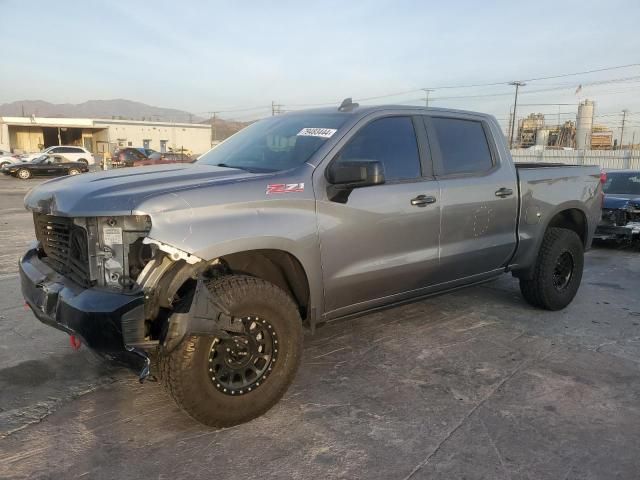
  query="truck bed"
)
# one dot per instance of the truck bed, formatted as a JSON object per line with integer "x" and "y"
{"x": 548, "y": 188}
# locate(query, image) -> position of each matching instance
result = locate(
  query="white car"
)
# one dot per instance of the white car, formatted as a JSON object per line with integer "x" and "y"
{"x": 11, "y": 159}
{"x": 71, "y": 152}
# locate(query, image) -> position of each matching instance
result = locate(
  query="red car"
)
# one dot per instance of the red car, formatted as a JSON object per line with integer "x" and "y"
{"x": 162, "y": 158}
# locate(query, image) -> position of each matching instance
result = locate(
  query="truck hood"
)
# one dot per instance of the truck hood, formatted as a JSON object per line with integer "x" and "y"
{"x": 618, "y": 201}
{"x": 120, "y": 191}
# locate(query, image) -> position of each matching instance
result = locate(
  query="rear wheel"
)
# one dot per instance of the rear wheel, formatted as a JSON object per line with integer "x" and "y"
{"x": 83, "y": 160}
{"x": 4, "y": 164}
{"x": 24, "y": 174}
{"x": 226, "y": 381}
{"x": 557, "y": 272}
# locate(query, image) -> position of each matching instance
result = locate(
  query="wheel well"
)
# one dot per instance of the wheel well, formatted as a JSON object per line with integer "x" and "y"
{"x": 276, "y": 266}
{"x": 571, "y": 219}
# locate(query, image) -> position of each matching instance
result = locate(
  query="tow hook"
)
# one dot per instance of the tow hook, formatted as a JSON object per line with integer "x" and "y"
{"x": 75, "y": 342}
{"x": 145, "y": 373}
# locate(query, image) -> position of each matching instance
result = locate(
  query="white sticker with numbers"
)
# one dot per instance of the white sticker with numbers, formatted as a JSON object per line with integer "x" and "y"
{"x": 317, "y": 132}
{"x": 112, "y": 235}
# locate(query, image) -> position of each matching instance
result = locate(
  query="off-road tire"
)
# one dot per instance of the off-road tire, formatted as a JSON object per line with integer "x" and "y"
{"x": 23, "y": 174}
{"x": 539, "y": 289}
{"x": 185, "y": 374}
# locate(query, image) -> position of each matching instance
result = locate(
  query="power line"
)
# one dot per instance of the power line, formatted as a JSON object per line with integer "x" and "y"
{"x": 442, "y": 87}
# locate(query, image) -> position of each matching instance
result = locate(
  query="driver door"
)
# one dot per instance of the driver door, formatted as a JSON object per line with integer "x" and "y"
{"x": 380, "y": 244}
{"x": 53, "y": 165}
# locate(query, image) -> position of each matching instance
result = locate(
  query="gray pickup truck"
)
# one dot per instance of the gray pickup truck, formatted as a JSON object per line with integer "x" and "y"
{"x": 214, "y": 268}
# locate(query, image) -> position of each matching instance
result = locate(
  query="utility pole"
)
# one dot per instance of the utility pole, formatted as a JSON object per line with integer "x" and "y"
{"x": 276, "y": 108}
{"x": 214, "y": 136}
{"x": 426, "y": 95}
{"x": 517, "y": 84}
{"x": 624, "y": 117}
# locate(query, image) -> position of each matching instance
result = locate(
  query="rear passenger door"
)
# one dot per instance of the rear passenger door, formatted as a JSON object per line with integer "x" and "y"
{"x": 478, "y": 196}
{"x": 378, "y": 246}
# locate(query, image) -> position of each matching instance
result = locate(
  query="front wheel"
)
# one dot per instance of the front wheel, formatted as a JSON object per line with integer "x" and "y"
{"x": 74, "y": 171}
{"x": 227, "y": 381}
{"x": 557, "y": 272}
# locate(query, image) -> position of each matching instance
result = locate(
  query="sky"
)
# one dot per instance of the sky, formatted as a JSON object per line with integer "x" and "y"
{"x": 238, "y": 57}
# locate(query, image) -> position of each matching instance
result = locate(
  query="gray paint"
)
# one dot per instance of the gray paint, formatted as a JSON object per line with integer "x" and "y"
{"x": 373, "y": 250}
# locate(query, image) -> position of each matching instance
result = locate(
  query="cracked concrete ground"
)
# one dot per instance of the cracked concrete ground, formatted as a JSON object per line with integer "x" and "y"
{"x": 474, "y": 384}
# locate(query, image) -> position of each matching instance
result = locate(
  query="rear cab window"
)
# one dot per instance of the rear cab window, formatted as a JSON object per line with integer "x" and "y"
{"x": 463, "y": 145}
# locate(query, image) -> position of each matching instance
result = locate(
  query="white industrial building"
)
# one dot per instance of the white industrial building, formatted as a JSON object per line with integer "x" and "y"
{"x": 32, "y": 134}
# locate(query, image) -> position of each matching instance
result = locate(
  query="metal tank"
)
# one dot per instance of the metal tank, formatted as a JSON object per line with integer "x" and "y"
{"x": 584, "y": 125}
{"x": 542, "y": 137}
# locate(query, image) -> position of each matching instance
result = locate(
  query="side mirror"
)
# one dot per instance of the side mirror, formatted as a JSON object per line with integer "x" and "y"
{"x": 354, "y": 174}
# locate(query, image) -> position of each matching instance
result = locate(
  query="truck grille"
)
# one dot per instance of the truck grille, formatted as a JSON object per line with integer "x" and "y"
{"x": 65, "y": 246}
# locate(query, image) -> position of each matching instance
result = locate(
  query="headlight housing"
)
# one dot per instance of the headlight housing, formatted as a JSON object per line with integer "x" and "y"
{"x": 120, "y": 254}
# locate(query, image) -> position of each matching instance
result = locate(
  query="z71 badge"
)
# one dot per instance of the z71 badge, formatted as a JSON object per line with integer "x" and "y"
{"x": 284, "y": 188}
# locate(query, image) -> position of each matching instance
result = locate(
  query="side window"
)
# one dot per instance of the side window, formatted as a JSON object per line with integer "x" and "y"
{"x": 55, "y": 150}
{"x": 390, "y": 140}
{"x": 463, "y": 145}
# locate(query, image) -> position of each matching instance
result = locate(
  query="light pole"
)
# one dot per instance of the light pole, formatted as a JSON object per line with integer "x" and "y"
{"x": 515, "y": 105}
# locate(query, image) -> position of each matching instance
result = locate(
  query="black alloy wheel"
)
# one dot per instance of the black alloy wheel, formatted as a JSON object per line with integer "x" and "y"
{"x": 237, "y": 365}
{"x": 563, "y": 271}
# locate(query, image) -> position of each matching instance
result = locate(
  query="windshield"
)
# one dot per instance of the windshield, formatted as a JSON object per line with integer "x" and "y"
{"x": 275, "y": 144}
{"x": 622, "y": 183}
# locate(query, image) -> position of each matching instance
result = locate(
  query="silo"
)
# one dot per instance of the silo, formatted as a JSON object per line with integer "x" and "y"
{"x": 584, "y": 125}
{"x": 542, "y": 137}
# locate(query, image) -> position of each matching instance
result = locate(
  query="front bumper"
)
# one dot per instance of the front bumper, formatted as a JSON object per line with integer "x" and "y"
{"x": 96, "y": 316}
{"x": 630, "y": 231}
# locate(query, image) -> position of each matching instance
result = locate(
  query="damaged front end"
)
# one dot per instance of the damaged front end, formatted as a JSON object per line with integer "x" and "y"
{"x": 104, "y": 280}
{"x": 621, "y": 223}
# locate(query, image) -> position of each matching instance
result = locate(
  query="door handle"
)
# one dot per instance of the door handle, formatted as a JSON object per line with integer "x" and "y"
{"x": 504, "y": 192}
{"x": 422, "y": 200}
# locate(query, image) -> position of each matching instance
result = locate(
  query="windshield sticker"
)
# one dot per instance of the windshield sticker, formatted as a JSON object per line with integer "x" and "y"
{"x": 284, "y": 188}
{"x": 317, "y": 132}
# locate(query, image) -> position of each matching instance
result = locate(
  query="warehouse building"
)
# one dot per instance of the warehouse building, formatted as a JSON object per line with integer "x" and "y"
{"x": 32, "y": 134}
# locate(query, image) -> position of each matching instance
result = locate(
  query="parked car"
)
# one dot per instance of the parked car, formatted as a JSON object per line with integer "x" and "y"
{"x": 48, "y": 165}
{"x": 146, "y": 151}
{"x": 216, "y": 266}
{"x": 621, "y": 206}
{"x": 163, "y": 158}
{"x": 5, "y": 153}
{"x": 127, "y": 156}
{"x": 12, "y": 159}
{"x": 71, "y": 152}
